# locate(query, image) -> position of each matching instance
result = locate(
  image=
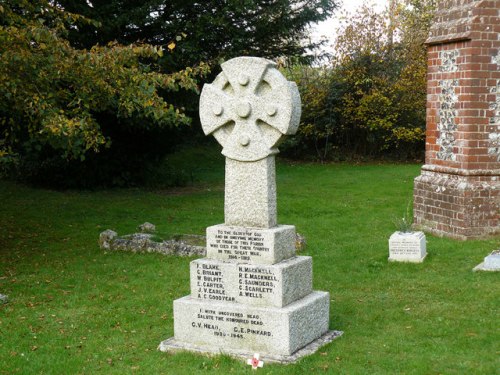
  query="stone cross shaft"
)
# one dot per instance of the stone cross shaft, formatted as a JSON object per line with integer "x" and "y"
{"x": 248, "y": 108}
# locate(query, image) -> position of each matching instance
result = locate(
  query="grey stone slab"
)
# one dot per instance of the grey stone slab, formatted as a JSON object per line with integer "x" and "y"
{"x": 256, "y": 285}
{"x": 490, "y": 263}
{"x": 251, "y": 245}
{"x": 407, "y": 247}
{"x": 265, "y": 330}
{"x": 171, "y": 345}
{"x": 250, "y": 193}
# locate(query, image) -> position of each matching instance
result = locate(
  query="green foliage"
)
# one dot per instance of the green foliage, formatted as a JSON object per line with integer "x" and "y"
{"x": 53, "y": 97}
{"x": 405, "y": 223}
{"x": 371, "y": 100}
{"x": 203, "y": 30}
{"x": 317, "y": 120}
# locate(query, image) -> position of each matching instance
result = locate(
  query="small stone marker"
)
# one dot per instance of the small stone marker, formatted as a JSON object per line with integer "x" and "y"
{"x": 3, "y": 299}
{"x": 251, "y": 293}
{"x": 491, "y": 262}
{"x": 407, "y": 247}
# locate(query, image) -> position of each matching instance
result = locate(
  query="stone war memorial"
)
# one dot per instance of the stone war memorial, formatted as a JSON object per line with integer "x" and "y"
{"x": 251, "y": 294}
{"x": 458, "y": 192}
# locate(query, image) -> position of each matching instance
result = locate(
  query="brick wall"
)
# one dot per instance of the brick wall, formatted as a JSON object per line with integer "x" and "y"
{"x": 458, "y": 192}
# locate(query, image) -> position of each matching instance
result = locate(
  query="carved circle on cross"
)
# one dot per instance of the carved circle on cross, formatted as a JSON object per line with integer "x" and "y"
{"x": 249, "y": 107}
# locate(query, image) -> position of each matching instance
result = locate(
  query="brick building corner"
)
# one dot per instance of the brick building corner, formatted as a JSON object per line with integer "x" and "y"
{"x": 458, "y": 191}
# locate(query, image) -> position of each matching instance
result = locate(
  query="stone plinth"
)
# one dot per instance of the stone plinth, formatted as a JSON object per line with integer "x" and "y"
{"x": 280, "y": 331}
{"x": 458, "y": 192}
{"x": 275, "y": 285}
{"x": 407, "y": 247}
{"x": 251, "y": 245}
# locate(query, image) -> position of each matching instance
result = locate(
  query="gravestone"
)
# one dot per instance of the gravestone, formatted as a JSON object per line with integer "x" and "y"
{"x": 251, "y": 294}
{"x": 407, "y": 247}
{"x": 490, "y": 263}
{"x": 458, "y": 191}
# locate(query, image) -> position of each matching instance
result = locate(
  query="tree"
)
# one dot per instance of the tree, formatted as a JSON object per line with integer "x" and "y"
{"x": 316, "y": 133}
{"x": 203, "y": 30}
{"x": 53, "y": 97}
{"x": 373, "y": 95}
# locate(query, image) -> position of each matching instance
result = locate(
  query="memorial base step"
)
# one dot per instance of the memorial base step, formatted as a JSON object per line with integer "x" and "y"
{"x": 250, "y": 245}
{"x": 265, "y": 330}
{"x": 259, "y": 285}
{"x": 172, "y": 345}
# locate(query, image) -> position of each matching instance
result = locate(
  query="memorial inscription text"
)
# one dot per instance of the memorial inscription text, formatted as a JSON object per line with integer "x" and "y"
{"x": 239, "y": 244}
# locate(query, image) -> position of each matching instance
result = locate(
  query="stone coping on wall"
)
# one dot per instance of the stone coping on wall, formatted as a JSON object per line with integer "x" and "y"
{"x": 453, "y": 38}
{"x": 461, "y": 172}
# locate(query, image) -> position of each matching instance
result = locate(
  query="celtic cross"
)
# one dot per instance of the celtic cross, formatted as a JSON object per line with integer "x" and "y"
{"x": 248, "y": 108}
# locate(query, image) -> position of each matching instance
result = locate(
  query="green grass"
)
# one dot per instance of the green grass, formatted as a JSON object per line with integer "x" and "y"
{"x": 76, "y": 309}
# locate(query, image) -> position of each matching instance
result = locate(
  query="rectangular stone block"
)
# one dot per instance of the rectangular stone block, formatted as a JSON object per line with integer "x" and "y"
{"x": 250, "y": 193}
{"x": 264, "y": 330}
{"x": 257, "y": 285}
{"x": 250, "y": 245}
{"x": 407, "y": 247}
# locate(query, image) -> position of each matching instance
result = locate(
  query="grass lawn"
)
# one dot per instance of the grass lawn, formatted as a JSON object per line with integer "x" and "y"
{"x": 76, "y": 309}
